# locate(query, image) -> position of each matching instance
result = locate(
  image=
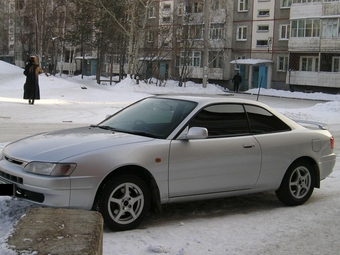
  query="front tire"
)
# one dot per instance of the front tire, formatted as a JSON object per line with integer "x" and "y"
{"x": 124, "y": 203}
{"x": 298, "y": 184}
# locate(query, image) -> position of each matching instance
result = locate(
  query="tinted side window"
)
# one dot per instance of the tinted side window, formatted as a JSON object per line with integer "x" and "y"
{"x": 222, "y": 120}
{"x": 262, "y": 122}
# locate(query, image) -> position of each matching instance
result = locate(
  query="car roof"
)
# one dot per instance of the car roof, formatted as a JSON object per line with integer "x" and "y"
{"x": 210, "y": 99}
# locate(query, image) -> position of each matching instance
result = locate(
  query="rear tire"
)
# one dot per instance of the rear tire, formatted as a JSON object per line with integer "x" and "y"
{"x": 124, "y": 202}
{"x": 298, "y": 184}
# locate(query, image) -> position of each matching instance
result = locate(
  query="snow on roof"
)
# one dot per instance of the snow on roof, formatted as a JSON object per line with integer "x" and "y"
{"x": 250, "y": 61}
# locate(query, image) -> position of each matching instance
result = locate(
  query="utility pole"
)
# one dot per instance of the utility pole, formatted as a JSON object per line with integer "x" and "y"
{"x": 206, "y": 42}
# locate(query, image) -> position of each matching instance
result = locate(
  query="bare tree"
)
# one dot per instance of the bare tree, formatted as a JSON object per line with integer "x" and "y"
{"x": 42, "y": 21}
{"x": 132, "y": 27}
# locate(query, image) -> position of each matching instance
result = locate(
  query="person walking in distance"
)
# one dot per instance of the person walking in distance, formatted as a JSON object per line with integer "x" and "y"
{"x": 31, "y": 87}
{"x": 237, "y": 79}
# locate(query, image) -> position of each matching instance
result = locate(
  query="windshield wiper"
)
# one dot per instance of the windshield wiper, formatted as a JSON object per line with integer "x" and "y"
{"x": 104, "y": 127}
{"x": 142, "y": 133}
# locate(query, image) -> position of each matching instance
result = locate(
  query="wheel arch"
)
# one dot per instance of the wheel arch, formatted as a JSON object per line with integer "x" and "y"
{"x": 140, "y": 172}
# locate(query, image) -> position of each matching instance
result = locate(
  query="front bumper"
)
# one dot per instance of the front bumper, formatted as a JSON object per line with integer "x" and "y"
{"x": 39, "y": 189}
{"x": 13, "y": 191}
{"x": 6, "y": 189}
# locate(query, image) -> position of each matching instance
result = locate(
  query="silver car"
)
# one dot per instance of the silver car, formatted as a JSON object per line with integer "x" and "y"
{"x": 169, "y": 149}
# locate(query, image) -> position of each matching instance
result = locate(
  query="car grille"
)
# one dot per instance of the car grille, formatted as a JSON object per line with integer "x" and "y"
{"x": 14, "y": 161}
{"x": 11, "y": 178}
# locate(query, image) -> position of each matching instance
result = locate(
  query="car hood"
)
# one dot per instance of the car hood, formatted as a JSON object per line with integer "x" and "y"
{"x": 59, "y": 145}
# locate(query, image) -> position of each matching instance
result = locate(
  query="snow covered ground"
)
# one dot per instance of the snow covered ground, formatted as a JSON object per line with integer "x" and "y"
{"x": 253, "y": 224}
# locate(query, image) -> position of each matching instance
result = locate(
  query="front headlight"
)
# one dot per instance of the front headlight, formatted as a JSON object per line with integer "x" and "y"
{"x": 52, "y": 169}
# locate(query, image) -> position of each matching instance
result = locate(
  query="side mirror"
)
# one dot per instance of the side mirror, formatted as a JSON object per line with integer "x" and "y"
{"x": 194, "y": 133}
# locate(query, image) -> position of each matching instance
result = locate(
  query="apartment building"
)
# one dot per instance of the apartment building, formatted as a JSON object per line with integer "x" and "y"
{"x": 260, "y": 43}
{"x": 7, "y": 32}
{"x": 314, "y": 46}
{"x": 188, "y": 39}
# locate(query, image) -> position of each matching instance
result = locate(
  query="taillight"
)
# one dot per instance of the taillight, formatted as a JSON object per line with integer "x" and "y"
{"x": 332, "y": 142}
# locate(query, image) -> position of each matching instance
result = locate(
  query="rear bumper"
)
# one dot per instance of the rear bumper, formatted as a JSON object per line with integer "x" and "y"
{"x": 326, "y": 165}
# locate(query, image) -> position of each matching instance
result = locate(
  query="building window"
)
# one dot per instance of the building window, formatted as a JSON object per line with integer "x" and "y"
{"x": 284, "y": 32}
{"x": 262, "y": 28}
{"x": 336, "y": 64}
{"x": 261, "y": 43}
{"x": 151, "y": 12}
{"x": 215, "y": 59}
{"x": 305, "y": 28}
{"x": 263, "y": 13}
{"x": 179, "y": 34}
{"x": 195, "y": 59}
{"x": 215, "y": 4}
{"x": 330, "y": 28}
{"x": 241, "y": 33}
{"x": 150, "y": 36}
{"x": 242, "y": 5}
{"x": 165, "y": 43}
{"x": 180, "y": 10}
{"x": 285, "y": 3}
{"x": 216, "y": 31}
{"x": 195, "y": 32}
{"x": 197, "y": 8}
{"x": 312, "y": 28}
{"x": 309, "y": 64}
{"x": 166, "y": 6}
{"x": 166, "y": 19}
{"x": 191, "y": 59}
{"x": 187, "y": 9}
{"x": 282, "y": 64}
{"x": 20, "y": 5}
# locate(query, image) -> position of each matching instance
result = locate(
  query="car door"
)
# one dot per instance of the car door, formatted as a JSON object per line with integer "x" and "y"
{"x": 229, "y": 159}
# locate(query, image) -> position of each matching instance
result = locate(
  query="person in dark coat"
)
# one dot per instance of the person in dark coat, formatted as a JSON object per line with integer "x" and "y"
{"x": 237, "y": 79}
{"x": 31, "y": 87}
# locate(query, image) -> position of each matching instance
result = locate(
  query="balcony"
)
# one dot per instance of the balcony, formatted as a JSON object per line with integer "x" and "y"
{"x": 316, "y": 79}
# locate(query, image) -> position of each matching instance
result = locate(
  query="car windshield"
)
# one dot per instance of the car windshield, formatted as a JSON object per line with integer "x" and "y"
{"x": 153, "y": 117}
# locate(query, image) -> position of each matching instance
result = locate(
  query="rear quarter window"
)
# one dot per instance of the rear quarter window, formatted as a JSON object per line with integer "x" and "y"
{"x": 263, "y": 122}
